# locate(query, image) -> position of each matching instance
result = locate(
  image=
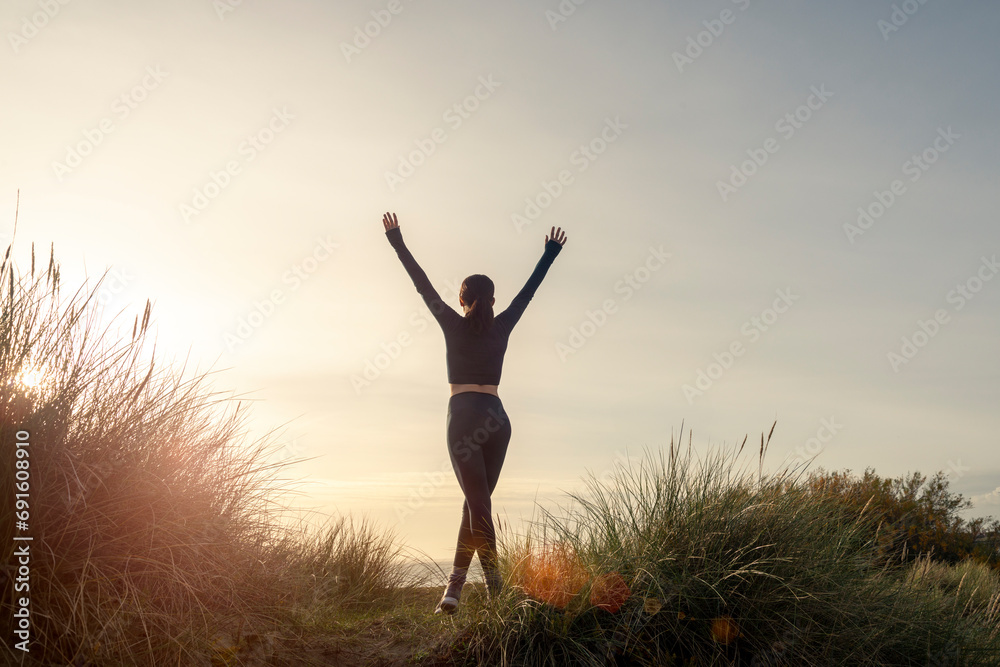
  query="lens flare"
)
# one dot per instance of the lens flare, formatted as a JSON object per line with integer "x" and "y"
{"x": 724, "y": 630}
{"x": 609, "y": 592}
{"x": 31, "y": 378}
{"x": 553, "y": 574}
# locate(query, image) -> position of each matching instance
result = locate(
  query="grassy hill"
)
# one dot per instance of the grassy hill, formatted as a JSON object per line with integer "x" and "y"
{"x": 157, "y": 539}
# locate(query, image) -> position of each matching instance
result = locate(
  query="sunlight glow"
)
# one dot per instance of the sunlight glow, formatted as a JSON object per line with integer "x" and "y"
{"x": 32, "y": 378}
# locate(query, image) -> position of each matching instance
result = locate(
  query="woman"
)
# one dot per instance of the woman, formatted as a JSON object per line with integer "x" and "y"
{"x": 477, "y": 426}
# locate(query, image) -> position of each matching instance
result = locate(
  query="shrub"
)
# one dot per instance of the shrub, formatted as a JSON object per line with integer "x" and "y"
{"x": 915, "y": 516}
{"x": 722, "y": 564}
{"x": 156, "y": 522}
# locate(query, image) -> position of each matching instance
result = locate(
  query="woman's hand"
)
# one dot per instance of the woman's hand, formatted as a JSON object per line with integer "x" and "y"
{"x": 558, "y": 236}
{"x": 389, "y": 221}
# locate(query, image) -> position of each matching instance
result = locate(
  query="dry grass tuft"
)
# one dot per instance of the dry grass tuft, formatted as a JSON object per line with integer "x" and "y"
{"x": 157, "y": 523}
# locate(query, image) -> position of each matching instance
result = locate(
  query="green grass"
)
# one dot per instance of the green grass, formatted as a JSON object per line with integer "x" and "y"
{"x": 162, "y": 537}
{"x": 974, "y": 587}
{"x": 702, "y": 540}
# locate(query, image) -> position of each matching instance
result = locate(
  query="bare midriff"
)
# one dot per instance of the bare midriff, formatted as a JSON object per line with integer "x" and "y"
{"x": 483, "y": 388}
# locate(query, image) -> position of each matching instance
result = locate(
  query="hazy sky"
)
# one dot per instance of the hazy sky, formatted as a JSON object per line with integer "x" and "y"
{"x": 774, "y": 210}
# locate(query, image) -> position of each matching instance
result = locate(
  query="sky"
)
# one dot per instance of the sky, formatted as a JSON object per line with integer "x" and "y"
{"x": 775, "y": 212}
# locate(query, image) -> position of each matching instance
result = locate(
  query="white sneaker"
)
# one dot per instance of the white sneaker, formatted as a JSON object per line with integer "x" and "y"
{"x": 447, "y": 605}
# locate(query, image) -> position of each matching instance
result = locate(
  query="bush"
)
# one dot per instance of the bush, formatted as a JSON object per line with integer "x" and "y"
{"x": 916, "y": 516}
{"x": 723, "y": 564}
{"x": 975, "y": 586}
{"x": 156, "y": 524}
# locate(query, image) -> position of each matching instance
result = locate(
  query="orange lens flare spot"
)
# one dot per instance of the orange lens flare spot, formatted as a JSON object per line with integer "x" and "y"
{"x": 553, "y": 574}
{"x": 725, "y": 630}
{"x": 609, "y": 592}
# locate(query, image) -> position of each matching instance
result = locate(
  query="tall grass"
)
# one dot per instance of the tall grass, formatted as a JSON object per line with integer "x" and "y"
{"x": 974, "y": 585}
{"x": 724, "y": 565}
{"x": 160, "y": 537}
{"x": 156, "y": 520}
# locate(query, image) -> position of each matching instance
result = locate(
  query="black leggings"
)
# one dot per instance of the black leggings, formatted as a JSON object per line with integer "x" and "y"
{"x": 478, "y": 434}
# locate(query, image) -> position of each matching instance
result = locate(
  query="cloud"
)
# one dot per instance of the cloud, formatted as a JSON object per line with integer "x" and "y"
{"x": 991, "y": 498}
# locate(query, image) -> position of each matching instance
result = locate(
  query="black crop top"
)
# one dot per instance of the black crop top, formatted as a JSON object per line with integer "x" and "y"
{"x": 471, "y": 358}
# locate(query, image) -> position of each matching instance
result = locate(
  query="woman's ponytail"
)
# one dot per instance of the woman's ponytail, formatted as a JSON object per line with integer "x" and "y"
{"x": 477, "y": 291}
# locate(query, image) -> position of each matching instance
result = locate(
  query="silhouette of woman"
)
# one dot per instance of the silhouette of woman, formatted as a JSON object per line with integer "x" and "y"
{"x": 478, "y": 429}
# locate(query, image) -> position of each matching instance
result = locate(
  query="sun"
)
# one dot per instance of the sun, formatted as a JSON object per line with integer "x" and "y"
{"x": 31, "y": 378}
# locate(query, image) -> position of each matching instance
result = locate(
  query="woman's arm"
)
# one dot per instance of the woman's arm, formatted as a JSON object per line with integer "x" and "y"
{"x": 553, "y": 246}
{"x": 443, "y": 313}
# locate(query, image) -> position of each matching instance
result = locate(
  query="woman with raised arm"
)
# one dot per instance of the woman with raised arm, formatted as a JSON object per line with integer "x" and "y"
{"x": 477, "y": 426}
